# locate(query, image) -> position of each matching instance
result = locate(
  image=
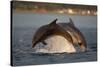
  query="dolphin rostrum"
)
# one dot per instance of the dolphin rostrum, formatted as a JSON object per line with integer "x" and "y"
{"x": 67, "y": 30}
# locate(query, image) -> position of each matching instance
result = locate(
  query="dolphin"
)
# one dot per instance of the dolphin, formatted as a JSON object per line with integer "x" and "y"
{"x": 67, "y": 30}
{"x": 77, "y": 36}
{"x": 48, "y": 30}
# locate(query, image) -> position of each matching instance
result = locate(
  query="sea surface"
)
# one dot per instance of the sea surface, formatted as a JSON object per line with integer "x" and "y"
{"x": 24, "y": 27}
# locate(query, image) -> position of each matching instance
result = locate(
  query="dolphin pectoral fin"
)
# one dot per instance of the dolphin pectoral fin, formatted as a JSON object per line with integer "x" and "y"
{"x": 43, "y": 42}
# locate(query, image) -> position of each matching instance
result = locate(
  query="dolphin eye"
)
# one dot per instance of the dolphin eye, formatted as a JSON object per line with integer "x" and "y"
{"x": 80, "y": 43}
{"x": 44, "y": 42}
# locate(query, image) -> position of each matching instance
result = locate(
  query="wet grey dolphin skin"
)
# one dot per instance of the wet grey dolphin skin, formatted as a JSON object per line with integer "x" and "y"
{"x": 67, "y": 30}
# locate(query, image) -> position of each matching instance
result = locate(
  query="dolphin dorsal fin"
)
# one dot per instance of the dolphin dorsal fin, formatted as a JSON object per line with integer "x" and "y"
{"x": 53, "y": 22}
{"x": 71, "y": 21}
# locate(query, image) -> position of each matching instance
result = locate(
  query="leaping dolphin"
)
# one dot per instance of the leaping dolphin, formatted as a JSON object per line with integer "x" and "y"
{"x": 67, "y": 30}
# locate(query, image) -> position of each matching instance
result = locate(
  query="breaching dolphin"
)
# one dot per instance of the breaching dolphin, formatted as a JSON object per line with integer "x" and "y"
{"x": 67, "y": 30}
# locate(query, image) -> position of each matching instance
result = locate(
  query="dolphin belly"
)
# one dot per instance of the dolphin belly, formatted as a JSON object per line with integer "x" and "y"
{"x": 57, "y": 44}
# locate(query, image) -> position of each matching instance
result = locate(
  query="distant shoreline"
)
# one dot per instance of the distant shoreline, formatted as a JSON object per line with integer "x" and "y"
{"x": 39, "y": 12}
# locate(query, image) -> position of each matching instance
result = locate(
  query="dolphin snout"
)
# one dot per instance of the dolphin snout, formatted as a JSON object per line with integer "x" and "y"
{"x": 83, "y": 47}
{"x": 34, "y": 43}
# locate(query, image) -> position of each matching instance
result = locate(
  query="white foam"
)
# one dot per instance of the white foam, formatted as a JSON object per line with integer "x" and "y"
{"x": 57, "y": 44}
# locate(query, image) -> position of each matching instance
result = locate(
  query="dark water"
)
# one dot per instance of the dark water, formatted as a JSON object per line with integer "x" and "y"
{"x": 23, "y": 54}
